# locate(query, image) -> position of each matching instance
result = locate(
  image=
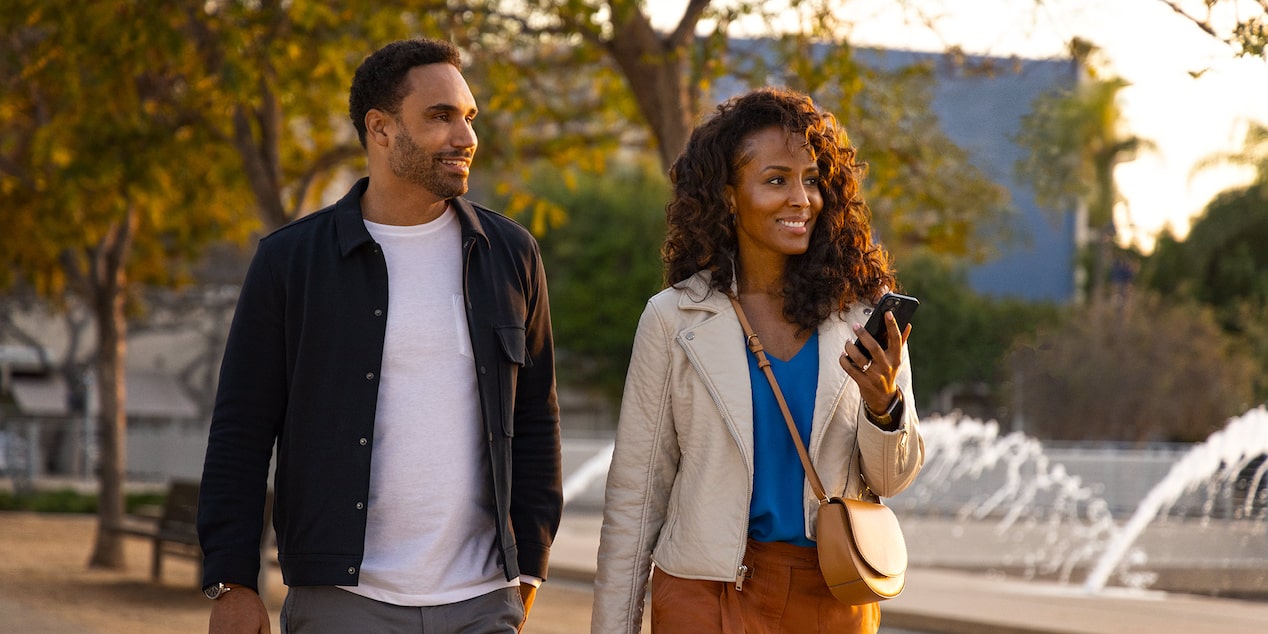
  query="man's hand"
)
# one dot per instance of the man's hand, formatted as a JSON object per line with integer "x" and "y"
{"x": 239, "y": 611}
{"x": 528, "y": 592}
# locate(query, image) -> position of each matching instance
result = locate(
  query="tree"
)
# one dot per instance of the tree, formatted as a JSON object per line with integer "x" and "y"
{"x": 1073, "y": 139}
{"x": 632, "y": 86}
{"x": 270, "y": 78}
{"x": 961, "y": 339}
{"x": 630, "y": 83}
{"x": 91, "y": 127}
{"x": 1221, "y": 263}
{"x": 1141, "y": 368}
{"x": 604, "y": 264}
{"x": 136, "y": 133}
{"x": 1254, "y": 154}
{"x": 1242, "y": 25}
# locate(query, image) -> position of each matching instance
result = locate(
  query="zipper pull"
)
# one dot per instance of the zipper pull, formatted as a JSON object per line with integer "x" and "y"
{"x": 741, "y": 574}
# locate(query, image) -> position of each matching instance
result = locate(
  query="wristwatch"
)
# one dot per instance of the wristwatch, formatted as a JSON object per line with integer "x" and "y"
{"x": 886, "y": 418}
{"x": 216, "y": 590}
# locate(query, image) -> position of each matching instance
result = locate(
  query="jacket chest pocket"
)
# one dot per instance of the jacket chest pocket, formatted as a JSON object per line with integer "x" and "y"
{"x": 512, "y": 342}
{"x": 514, "y": 353}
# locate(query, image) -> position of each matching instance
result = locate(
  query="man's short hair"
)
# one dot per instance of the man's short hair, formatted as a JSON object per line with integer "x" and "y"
{"x": 380, "y": 80}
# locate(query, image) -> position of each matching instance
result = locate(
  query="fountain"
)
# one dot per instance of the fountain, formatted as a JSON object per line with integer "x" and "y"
{"x": 1217, "y": 461}
{"x": 997, "y": 502}
{"x": 1004, "y": 504}
{"x": 1007, "y": 506}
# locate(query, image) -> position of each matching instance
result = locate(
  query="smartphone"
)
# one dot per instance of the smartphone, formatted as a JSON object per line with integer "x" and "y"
{"x": 903, "y": 307}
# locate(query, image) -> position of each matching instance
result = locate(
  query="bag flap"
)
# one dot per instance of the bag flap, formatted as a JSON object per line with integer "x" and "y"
{"x": 879, "y": 538}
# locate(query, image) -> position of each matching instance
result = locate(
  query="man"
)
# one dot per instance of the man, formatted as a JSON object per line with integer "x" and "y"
{"x": 396, "y": 350}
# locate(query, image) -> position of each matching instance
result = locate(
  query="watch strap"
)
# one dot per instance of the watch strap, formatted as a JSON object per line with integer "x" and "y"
{"x": 216, "y": 590}
{"x": 886, "y": 418}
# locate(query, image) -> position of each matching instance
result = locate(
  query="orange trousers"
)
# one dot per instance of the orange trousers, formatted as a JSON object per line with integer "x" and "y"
{"x": 786, "y": 594}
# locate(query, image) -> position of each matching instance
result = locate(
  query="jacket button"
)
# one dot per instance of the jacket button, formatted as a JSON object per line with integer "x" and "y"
{"x": 378, "y": 312}
{"x": 482, "y": 370}
{"x": 362, "y": 442}
{"x": 360, "y": 505}
{"x": 351, "y": 570}
{"x": 690, "y": 336}
{"x": 369, "y": 376}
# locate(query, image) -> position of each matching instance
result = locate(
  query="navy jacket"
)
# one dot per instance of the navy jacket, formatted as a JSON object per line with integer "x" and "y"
{"x": 301, "y": 371}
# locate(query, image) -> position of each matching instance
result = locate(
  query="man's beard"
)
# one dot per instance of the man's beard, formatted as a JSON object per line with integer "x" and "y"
{"x": 410, "y": 162}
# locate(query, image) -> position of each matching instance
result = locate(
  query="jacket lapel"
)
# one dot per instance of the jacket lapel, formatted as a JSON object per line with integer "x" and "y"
{"x": 714, "y": 347}
{"x": 836, "y": 389}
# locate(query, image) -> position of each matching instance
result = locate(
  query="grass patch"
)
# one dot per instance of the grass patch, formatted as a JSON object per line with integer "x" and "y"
{"x": 71, "y": 501}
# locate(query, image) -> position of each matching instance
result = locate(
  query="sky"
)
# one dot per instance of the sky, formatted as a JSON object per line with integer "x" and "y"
{"x": 1158, "y": 52}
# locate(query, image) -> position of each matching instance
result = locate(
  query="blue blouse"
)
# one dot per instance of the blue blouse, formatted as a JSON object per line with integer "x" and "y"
{"x": 775, "y": 512}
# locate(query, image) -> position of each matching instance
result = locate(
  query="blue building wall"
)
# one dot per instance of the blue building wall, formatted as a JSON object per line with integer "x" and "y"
{"x": 981, "y": 114}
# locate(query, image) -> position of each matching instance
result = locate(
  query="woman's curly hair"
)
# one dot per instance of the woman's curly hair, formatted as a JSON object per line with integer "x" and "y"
{"x": 842, "y": 264}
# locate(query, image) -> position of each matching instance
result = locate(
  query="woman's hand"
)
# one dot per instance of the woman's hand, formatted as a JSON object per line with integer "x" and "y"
{"x": 877, "y": 378}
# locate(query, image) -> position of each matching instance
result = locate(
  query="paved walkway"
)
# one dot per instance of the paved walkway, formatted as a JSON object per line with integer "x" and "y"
{"x": 935, "y": 601}
{"x": 959, "y": 602}
{"x": 15, "y": 617}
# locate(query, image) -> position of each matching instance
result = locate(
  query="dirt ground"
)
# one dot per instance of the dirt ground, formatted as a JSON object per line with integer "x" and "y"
{"x": 43, "y": 569}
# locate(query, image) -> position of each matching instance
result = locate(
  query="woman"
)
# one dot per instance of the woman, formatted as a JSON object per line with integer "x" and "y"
{"x": 705, "y": 481}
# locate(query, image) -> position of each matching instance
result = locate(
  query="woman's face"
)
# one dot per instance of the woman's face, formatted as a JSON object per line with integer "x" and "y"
{"x": 776, "y": 199}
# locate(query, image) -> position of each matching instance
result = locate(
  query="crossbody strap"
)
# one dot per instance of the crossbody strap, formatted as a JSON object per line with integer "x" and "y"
{"x": 755, "y": 346}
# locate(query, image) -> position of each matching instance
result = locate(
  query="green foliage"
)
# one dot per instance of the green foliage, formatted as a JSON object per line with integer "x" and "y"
{"x": 1224, "y": 252}
{"x": 1248, "y": 33}
{"x": 270, "y": 80}
{"x": 1073, "y": 139}
{"x": 1135, "y": 367}
{"x": 92, "y": 129}
{"x": 602, "y": 265}
{"x": 924, "y": 191}
{"x": 71, "y": 501}
{"x": 627, "y": 85}
{"x": 1223, "y": 264}
{"x": 960, "y": 338}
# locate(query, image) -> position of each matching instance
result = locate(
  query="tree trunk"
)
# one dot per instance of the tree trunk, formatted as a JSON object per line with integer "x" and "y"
{"x": 259, "y": 157}
{"x": 108, "y": 282}
{"x": 655, "y": 68}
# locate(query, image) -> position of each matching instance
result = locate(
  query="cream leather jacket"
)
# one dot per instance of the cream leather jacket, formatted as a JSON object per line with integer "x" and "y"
{"x": 681, "y": 478}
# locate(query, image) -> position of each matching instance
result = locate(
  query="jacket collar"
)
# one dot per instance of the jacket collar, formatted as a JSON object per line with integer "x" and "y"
{"x": 350, "y": 222}
{"x": 697, "y": 293}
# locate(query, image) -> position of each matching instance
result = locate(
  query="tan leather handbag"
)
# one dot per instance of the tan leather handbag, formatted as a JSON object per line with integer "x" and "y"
{"x": 862, "y": 554}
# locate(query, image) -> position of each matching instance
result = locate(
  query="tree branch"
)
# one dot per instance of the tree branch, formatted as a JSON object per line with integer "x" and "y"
{"x": 329, "y": 160}
{"x": 686, "y": 28}
{"x": 1201, "y": 24}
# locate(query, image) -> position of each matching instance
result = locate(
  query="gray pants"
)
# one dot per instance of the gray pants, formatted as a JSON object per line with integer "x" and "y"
{"x": 329, "y": 610}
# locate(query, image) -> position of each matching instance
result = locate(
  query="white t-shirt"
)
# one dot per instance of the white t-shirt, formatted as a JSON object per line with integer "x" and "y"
{"x": 430, "y": 531}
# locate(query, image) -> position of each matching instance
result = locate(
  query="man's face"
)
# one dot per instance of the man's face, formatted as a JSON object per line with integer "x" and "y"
{"x": 434, "y": 140}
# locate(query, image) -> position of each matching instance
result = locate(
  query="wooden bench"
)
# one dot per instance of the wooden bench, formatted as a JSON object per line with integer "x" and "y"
{"x": 174, "y": 530}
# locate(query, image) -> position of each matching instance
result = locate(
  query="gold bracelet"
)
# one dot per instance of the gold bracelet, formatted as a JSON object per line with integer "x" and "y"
{"x": 887, "y": 417}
